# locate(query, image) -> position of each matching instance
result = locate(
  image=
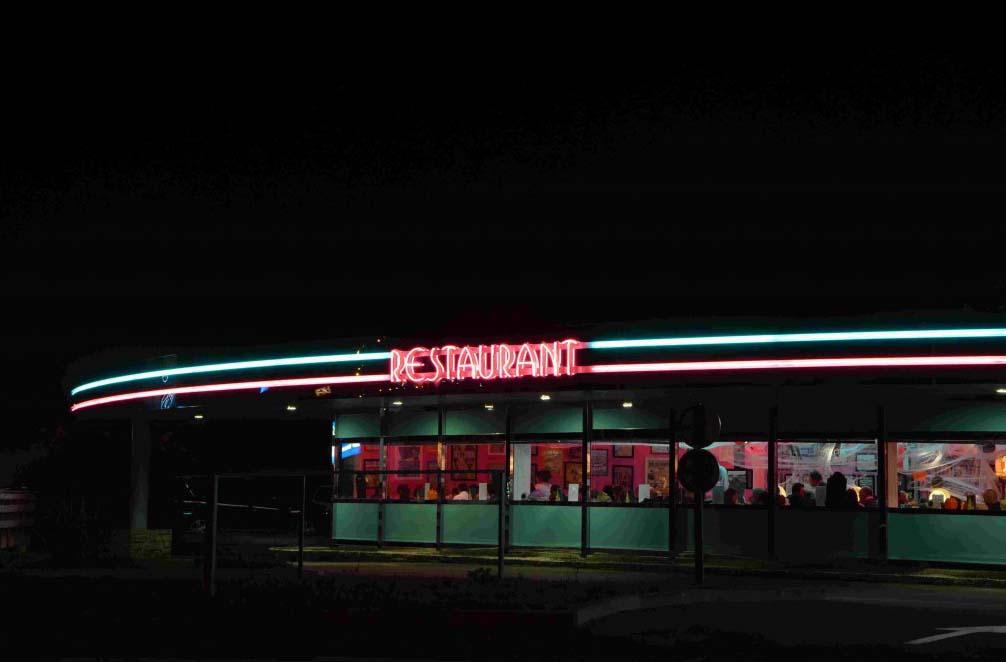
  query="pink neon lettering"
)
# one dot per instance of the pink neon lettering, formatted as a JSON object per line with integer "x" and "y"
{"x": 502, "y": 361}
{"x": 397, "y": 365}
{"x": 438, "y": 367}
{"x": 412, "y": 362}
{"x": 527, "y": 361}
{"x": 487, "y": 358}
{"x": 466, "y": 362}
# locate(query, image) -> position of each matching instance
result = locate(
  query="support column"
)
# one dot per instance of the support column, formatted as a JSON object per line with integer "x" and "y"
{"x": 672, "y": 487}
{"x": 887, "y": 480}
{"x": 139, "y": 473}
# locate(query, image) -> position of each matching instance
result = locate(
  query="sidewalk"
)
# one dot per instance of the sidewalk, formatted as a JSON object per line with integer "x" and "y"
{"x": 848, "y": 570}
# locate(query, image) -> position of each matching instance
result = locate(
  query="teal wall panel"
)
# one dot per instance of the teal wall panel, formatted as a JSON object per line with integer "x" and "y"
{"x": 545, "y": 526}
{"x": 354, "y": 426}
{"x": 633, "y": 418}
{"x": 355, "y": 521}
{"x": 961, "y": 538}
{"x": 628, "y": 528}
{"x": 818, "y": 534}
{"x": 471, "y": 524}
{"x": 548, "y": 419}
{"x": 410, "y": 522}
{"x": 474, "y": 421}
{"x": 412, "y": 423}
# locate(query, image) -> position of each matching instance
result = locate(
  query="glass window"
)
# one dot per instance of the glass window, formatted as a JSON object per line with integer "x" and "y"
{"x": 358, "y": 458}
{"x": 951, "y": 476}
{"x": 834, "y": 474}
{"x": 409, "y": 458}
{"x": 468, "y": 465}
{"x": 550, "y": 471}
{"x": 743, "y": 473}
{"x": 629, "y": 472}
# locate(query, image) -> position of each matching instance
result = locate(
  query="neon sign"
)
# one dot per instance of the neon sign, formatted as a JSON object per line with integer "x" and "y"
{"x": 421, "y": 365}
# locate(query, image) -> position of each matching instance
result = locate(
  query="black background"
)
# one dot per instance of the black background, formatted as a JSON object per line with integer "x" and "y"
{"x": 239, "y": 202}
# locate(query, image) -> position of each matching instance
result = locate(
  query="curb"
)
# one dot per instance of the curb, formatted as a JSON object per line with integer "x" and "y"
{"x": 795, "y": 573}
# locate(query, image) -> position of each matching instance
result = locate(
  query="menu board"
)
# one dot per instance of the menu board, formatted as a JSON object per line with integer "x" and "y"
{"x": 866, "y": 462}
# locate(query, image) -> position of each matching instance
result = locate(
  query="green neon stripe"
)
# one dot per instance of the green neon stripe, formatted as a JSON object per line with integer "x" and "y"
{"x": 930, "y": 334}
{"x": 239, "y": 365}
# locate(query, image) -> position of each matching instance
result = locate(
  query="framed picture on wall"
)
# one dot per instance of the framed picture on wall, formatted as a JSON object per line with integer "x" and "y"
{"x": 408, "y": 458}
{"x": 552, "y": 462}
{"x": 497, "y": 449}
{"x": 575, "y": 453}
{"x": 662, "y": 449}
{"x": 572, "y": 473}
{"x": 622, "y": 475}
{"x": 464, "y": 459}
{"x": 621, "y": 450}
{"x": 658, "y": 474}
{"x": 599, "y": 462}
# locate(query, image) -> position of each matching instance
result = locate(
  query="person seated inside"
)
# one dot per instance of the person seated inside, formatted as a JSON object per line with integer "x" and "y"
{"x": 431, "y": 494}
{"x": 543, "y": 488}
{"x": 952, "y": 503}
{"x": 759, "y": 497}
{"x": 991, "y": 499}
{"x": 730, "y": 497}
{"x": 606, "y": 495}
{"x": 867, "y": 498}
{"x": 835, "y": 491}
{"x": 903, "y": 501}
{"x": 852, "y": 499}
{"x": 555, "y": 494}
{"x": 491, "y": 492}
{"x": 815, "y": 479}
{"x": 462, "y": 493}
{"x": 619, "y": 494}
{"x": 403, "y": 492}
{"x": 797, "y": 496}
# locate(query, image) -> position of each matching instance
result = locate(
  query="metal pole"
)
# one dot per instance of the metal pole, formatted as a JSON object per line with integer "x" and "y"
{"x": 699, "y": 550}
{"x": 501, "y": 542}
{"x": 773, "y": 480}
{"x": 672, "y": 489}
{"x": 213, "y": 535}
{"x": 882, "y": 483}
{"x": 505, "y": 494}
{"x": 300, "y": 536}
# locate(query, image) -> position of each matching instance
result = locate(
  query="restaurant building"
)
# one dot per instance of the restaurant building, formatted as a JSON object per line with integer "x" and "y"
{"x": 896, "y": 435}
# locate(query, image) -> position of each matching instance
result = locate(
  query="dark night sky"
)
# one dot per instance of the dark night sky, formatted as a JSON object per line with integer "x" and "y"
{"x": 260, "y": 207}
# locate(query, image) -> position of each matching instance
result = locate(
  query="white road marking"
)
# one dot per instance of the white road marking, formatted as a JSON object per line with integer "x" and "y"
{"x": 959, "y": 632}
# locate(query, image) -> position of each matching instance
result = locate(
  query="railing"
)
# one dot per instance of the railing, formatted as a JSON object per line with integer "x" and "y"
{"x": 372, "y": 487}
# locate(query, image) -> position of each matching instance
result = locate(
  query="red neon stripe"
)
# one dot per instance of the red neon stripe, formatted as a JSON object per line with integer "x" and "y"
{"x": 789, "y": 364}
{"x": 233, "y": 386}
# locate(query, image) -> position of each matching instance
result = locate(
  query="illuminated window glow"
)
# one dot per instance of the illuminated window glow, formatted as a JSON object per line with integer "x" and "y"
{"x": 929, "y": 334}
{"x": 233, "y": 386}
{"x": 238, "y": 365}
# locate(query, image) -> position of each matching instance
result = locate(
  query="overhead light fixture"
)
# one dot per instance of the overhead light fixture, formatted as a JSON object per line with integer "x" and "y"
{"x": 489, "y": 406}
{"x": 291, "y": 407}
{"x": 396, "y": 403}
{"x": 627, "y": 404}
{"x": 198, "y": 417}
{"x": 546, "y": 396}
{"x": 1001, "y": 391}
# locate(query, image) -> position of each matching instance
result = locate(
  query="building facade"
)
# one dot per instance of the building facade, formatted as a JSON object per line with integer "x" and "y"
{"x": 853, "y": 443}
